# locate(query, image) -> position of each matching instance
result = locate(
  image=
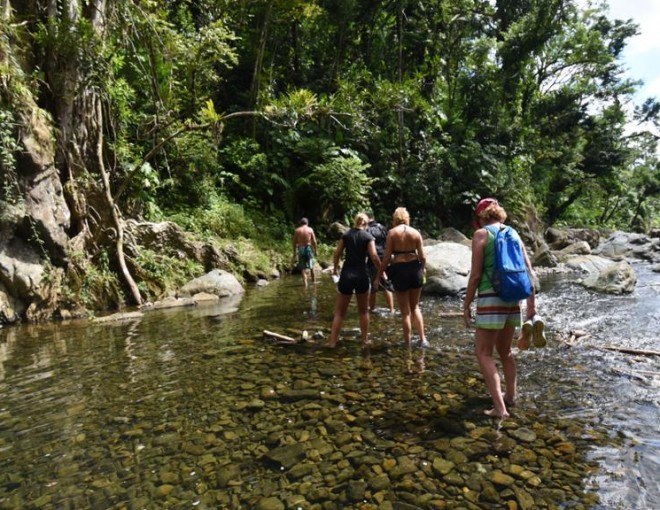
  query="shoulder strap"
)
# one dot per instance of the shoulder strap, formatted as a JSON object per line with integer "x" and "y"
{"x": 495, "y": 232}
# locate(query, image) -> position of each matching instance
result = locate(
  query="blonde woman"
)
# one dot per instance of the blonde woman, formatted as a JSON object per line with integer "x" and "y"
{"x": 354, "y": 279}
{"x": 405, "y": 263}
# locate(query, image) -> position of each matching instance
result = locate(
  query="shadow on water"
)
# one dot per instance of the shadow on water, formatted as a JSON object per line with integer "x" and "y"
{"x": 193, "y": 408}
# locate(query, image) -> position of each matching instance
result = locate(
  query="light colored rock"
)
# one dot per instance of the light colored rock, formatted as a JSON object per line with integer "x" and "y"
{"x": 618, "y": 278}
{"x": 578, "y": 248}
{"x": 217, "y": 282}
{"x": 204, "y": 297}
{"x": 622, "y": 245}
{"x": 447, "y": 268}
{"x": 544, "y": 257}
{"x": 117, "y": 317}
{"x": 588, "y": 263}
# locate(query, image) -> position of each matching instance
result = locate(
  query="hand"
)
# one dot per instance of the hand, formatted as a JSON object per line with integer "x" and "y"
{"x": 467, "y": 316}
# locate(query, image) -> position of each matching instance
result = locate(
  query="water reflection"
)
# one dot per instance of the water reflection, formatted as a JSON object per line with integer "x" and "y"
{"x": 178, "y": 408}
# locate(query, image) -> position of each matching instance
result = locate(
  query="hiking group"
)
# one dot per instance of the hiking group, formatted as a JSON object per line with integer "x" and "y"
{"x": 394, "y": 262}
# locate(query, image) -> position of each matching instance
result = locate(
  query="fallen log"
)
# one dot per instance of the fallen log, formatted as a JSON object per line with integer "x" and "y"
{"x": 625, "y": 350}
{"x": 280, "y": 338}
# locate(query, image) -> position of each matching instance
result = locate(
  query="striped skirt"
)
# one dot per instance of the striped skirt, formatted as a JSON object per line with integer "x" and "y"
{"x": 493, "y": 313}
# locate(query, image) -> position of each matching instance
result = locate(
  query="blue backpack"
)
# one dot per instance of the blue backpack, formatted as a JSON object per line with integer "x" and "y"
{"x": 510, "y": 279}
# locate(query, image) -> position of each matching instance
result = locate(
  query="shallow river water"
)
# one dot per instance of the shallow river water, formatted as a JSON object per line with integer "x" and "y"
{"x": 193, "y": 408}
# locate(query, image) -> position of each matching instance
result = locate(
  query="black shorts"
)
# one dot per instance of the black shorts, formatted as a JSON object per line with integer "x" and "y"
{"x": 406, "y": 275}
{"x": 383, "y": 284}
{"x": 354, "y": 280}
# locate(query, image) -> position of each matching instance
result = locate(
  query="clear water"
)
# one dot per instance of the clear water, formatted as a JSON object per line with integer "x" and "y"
{"x": 96, "y": 415}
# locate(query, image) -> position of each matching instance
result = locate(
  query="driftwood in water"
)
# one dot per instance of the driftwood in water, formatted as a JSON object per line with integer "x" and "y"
{"x": 450, "y": 314}
{"x": 573, "y": 336}
{"x": 625, "y": 350}
{"x": 279, "y": 338}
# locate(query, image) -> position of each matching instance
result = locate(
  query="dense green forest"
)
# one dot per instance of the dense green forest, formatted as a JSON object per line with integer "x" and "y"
{"x": 235, "y": 118}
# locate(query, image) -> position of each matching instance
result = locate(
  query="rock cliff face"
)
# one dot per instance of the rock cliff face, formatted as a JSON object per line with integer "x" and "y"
{"x": 33, "y": 224}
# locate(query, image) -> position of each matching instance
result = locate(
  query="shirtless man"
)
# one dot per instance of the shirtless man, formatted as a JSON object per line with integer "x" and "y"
{"x": 304, "y": 249}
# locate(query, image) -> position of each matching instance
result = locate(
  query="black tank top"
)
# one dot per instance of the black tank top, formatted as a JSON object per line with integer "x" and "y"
{"x": 356, "y": 243}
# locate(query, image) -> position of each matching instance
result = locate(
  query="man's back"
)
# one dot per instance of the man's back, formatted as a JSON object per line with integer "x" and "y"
{"x": 303, "y": 235}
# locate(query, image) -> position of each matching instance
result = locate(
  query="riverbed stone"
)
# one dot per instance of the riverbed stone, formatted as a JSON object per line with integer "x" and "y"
{"x": 524, "y": 498}
{"x": 442, "y": 466}
{"x": 500, "y": 478}
{"x": 270, "y": 504}
{"x": 524, "y": 434}
{"x": 300, "y": 470}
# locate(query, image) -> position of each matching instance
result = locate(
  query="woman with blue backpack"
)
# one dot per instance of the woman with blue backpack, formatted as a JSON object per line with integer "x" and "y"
{"x": 500, "y": 277}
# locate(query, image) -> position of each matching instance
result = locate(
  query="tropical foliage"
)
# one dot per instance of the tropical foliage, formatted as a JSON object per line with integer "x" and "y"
{"x": 324, "y": 107}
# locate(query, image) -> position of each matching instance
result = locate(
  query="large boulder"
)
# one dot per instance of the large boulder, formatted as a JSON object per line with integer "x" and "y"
{"x": 10, "y": 308}
{"x": 577, "y": 248}
{"x": 447, "y": 268}
{"x": 604, "y": 275}
{"x": 21, "y": 273}
{"x": 168, "y": 237}
{"x": 560, "y": 238}
{"x": 623, "y": 245}
{"x": 454, "y": 236}
{"x": 544, "y": 257}
{"x": 47, "y": 214}
{"x": 217, "y": 282}
{"x": 336, "y": 230}
{"x": 591, "y": 264}
{"x": 617, "y": 278}
{"x": 164, "y": 237}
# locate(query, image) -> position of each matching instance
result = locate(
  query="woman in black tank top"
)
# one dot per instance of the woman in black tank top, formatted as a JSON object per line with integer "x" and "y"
{"x": 358, "y": 245}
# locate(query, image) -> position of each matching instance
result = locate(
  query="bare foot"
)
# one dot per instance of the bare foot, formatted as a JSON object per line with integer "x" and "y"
{"x": 494, "y": 414}
{"x": 329, "y": 345}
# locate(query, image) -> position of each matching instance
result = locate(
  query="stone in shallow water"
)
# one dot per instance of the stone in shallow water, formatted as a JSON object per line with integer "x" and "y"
{"x": 286, "y": 456}
{"x": 524, "y": 498}
{"x": 164, "y": 490}
{"x": 499, "y": 478}
{"x": 228, "y": 473}
{"x": 524, "y": 434}
{"x": 442, "y": 466}
{"x": 270, "y": 504}
{"x": 355, "y": 490}
{"x": 300, "y": 470}
{"x": 404, "y": 466}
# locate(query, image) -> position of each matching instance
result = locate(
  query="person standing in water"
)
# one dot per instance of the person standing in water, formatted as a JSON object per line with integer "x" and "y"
{"x": 405, "y": 261}
{"x": 304, "y": 249}
{"x": 496, "y": 320}
{"x": 354, "y": 278}
{"x": 379, "y": 232}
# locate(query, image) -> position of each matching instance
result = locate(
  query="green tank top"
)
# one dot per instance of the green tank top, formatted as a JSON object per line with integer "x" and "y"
{"x": 489, "y": 264}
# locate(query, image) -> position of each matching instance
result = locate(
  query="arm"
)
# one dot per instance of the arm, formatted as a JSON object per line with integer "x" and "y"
{"x": 313, "y": 241}
{"x": 295, "y": 244}
{"x": 387, "y": 256}
{"x": 531, "y": 300}
{"x": 479, "y": 241}
{"x": 373, "y": 255}
{"x": 420, "y": 251}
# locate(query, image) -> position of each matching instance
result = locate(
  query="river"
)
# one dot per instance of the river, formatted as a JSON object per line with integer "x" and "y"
{"x": 192, "y": 408}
